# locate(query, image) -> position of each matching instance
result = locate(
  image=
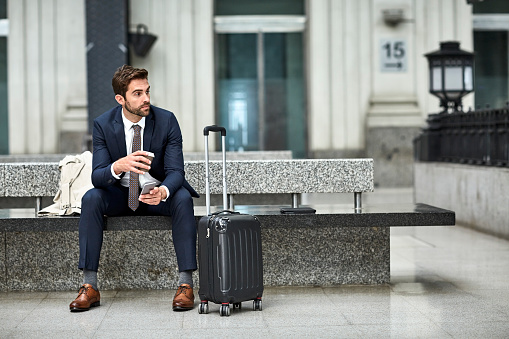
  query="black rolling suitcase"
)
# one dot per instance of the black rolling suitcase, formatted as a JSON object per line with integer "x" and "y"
{"x": 229, "y": 251}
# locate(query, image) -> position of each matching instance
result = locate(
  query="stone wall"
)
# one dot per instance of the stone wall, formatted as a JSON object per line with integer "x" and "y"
{"x": 478, "y": 194}
{"x": 392, "y": 151}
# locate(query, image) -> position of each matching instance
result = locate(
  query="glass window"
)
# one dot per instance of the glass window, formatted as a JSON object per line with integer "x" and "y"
{"x": 491, "y": 7}
{"x": 259, "y": 7}
{"x": 3, "y": 9}
{"x": 238, "y": 90}
{"x": 491, "y": 41}
{"x": 491, "y": 68}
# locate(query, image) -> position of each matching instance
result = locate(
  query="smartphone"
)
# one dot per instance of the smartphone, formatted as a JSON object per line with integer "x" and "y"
{"x": 147, "y": 187}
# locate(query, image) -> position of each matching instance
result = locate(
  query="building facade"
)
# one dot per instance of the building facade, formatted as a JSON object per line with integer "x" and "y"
{"x": 324, "y": 78}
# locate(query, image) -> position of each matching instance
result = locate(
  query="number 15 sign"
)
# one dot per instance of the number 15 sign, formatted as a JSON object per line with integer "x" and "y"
{"x": 393, "y": 55}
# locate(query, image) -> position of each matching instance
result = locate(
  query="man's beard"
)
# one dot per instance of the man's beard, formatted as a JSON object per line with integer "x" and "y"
{"x": 136, "y": 111}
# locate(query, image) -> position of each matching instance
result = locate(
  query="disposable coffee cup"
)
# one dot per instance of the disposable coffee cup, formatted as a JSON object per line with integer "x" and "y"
{"x": 149, "y": 156}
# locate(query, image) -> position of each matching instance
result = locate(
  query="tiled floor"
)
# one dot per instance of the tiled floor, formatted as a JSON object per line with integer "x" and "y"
{"x": 447, "y": 282}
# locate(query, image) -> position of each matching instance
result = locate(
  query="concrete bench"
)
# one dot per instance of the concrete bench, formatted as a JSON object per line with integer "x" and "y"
{"x": 340, "y": 244}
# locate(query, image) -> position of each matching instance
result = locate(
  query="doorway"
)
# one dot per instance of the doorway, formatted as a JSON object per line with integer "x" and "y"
{"x": 261, "y": 97}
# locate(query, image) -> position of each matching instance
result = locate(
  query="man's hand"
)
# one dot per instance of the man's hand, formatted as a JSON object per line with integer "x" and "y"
{"x": 131, "y": 162}
{"x": 154, "y": 197}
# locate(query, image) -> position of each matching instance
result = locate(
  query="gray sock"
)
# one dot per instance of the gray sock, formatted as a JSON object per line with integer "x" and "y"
{"x": 90, "y": 277}
{"x": 186, "y": 277}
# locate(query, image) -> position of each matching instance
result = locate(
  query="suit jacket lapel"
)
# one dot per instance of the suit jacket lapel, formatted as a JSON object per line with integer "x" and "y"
{"x": 149, "y": 130}
{"x": 118, "y": 128}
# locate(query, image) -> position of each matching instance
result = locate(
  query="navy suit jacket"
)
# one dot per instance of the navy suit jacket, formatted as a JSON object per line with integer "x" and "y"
{"x": 161, "y": 136}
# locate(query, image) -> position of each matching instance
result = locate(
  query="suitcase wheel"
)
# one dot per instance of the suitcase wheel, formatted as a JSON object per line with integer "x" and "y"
{"x": 257, "y": 304}
{"x": 203, "y": 308}
{"x": 224, "y": 310}
{"x": 237, "y": 306}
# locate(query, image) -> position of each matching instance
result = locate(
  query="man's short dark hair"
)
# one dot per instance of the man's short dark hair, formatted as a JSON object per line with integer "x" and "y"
{"x": 123, "y": 77}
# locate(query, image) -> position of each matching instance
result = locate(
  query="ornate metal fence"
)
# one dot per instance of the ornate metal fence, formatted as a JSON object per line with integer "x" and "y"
{"x": 478, "y": 137}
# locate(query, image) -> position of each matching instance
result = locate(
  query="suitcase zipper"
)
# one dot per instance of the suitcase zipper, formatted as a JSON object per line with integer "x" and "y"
{"x": 210, "y": 244}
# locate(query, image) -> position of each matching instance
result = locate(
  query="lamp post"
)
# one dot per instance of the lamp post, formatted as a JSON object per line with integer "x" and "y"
{"x": 451, "y": 74}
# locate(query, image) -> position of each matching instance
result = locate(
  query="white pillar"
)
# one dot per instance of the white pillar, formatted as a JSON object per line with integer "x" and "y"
{"x": 393, "y": 100}
{"x": 46, "y": 64}
{"x": 204, "y": 61}
{"x": 320, "y": 127}
{"x": 181, "y": 62}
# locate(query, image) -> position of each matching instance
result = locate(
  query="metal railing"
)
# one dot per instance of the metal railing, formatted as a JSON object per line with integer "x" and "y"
{"x": 479, "y": 137}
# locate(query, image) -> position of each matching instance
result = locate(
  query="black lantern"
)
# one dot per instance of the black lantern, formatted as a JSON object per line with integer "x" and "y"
{"x": 451, "y": 74}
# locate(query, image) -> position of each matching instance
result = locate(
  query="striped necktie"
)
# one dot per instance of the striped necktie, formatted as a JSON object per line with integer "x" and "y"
{"x": 134, "y": 185}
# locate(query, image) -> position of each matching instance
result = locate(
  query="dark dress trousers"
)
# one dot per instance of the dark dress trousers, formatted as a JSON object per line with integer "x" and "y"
{"x": 162, "y": 137}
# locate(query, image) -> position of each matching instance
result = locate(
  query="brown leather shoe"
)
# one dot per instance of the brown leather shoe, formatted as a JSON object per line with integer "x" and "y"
{"x": 87, "y": 297}
{"x": 184, "y": 298}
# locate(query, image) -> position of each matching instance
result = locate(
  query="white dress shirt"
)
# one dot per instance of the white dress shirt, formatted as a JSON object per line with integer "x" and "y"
{"x": 129, "y": 135}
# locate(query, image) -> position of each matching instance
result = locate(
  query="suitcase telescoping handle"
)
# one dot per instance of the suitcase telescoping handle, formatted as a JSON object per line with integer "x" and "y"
{"x": 214, "y": 128}
{"x": 206, "y": 131}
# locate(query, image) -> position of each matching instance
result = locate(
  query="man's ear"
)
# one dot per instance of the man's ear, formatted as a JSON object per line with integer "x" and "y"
{"x": 120, "y": 99}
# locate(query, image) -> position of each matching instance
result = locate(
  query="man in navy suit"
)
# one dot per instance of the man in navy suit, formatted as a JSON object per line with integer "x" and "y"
{"x": 135, "y": 124}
